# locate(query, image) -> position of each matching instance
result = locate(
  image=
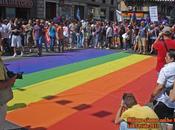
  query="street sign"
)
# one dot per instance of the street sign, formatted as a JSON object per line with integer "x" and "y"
{"x": 153, "y": 13}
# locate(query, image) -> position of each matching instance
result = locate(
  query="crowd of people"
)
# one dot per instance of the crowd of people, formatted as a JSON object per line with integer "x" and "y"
{"x": 17, "y": 35}
{"x": 58, "y": 35}
{"x": 161, "y": 116}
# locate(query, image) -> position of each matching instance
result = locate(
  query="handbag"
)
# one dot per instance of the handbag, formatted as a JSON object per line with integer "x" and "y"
{"x": 6, "y": 94}
{"x": 125, "y": 36}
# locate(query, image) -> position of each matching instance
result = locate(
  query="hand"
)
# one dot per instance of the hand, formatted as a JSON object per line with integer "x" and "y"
{"x": 122, "y": 104}
{"x": 151, "y": 51}
{"x": 115, "y": 122}
{"x": 160, "y": 34}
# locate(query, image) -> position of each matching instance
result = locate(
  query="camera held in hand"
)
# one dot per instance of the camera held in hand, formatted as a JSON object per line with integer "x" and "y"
{"x": 12, "y": 74}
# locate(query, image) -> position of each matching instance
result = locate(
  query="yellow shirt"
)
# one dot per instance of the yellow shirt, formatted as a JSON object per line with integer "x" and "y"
{"x": 141, "y": 117}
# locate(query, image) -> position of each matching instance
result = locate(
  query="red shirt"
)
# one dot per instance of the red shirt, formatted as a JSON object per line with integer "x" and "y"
{"x": 161, "y": 52}
{"x": 60, "y": 32}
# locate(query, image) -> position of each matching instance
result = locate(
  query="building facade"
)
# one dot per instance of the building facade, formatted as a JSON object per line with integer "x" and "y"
{"x": 127, "y": 8}
{"x": 48, "y": 9}
{"x": 98, "y": 9}
{"x": 16, "y": 8}
{"x": 165, "y": 7}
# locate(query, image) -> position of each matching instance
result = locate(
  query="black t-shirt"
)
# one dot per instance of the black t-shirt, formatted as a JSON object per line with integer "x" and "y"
{"x": 15, "y": 29}
{"x": 42, "y": 30}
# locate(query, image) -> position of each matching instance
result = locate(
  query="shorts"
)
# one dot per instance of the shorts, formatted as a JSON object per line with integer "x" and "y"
{"x": 163, "y": 111}
{"x": 16, "y": 41}
{"x": 143, "y": 42}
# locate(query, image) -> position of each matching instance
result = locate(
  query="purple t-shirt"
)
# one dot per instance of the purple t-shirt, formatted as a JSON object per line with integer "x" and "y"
{"x": 36, "y": 29}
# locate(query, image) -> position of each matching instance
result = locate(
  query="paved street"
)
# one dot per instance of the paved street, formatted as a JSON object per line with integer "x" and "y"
{"x": 59, "y": 89}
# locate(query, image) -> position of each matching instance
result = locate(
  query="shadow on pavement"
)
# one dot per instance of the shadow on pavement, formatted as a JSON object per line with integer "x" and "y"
{"x": 16, "y": 106}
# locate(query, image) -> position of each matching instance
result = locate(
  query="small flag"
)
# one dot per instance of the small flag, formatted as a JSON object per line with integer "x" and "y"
{"x": 119, "y": 16}
{"x": 78, "y": 14}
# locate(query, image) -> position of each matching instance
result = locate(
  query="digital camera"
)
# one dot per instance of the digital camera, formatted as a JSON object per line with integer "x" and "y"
{"x": 12, "y": 74}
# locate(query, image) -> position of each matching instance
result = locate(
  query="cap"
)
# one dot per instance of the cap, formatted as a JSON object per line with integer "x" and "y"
{"x": 167, "y": 30}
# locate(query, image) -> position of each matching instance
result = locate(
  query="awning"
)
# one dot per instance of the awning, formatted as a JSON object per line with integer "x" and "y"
{"x": 17, "y": 3}
{"x": 149, "y": 0}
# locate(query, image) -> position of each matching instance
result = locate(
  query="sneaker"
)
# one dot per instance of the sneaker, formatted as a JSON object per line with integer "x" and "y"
{"x": 14, "y": 55}
{"x": 30, "y": 50}
{"x": 22, "y": 53}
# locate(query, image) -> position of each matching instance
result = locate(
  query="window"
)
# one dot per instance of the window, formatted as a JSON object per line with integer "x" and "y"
{"x": 10, "y": 12}
{"x": 112, "y": 2}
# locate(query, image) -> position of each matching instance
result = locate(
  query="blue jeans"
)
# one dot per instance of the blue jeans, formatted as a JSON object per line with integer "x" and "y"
{"x": 82, "y": 40}
{"x": 52, "y": 43}
{"x": 39, "y": 41}
{"x": 96, "y": 40}
{"x": 124, "y": 126}
{"x": 78, "y": 41}
{"x": 73, "y": 39}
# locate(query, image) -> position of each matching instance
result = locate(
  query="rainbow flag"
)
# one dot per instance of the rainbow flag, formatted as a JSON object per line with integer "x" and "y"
{"x": 79, "y": 90}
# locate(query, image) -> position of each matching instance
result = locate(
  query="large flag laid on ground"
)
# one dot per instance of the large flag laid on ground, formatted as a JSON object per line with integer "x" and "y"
{"x": 78, "y": 90}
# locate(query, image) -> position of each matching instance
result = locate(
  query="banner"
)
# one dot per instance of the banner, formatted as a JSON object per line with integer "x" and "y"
{"x": 78, "y": 14}
{"x": 119, "y": 16}
{"x": 17, "y": 3}
{"x": 153, "y": 13}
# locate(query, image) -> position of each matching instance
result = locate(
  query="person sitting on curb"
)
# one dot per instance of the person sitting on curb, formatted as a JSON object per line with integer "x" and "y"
{"x": 132, "y": 116}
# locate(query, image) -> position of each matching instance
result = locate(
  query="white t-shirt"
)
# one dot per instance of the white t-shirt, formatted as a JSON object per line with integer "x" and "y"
{"x": 166, "y": 78}
{"x": 66, "y": 31}
{"x": 109, "y": 32}
{"x": 4, "y": 29}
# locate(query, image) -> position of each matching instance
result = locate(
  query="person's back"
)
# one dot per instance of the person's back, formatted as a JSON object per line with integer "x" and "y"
{"x": 161, "y": 51}
{"x": 136, "y": 117}
{"x": 141, "y": 117}
{"x": 60, "y": 32}
{"x": 162, "y": 46}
